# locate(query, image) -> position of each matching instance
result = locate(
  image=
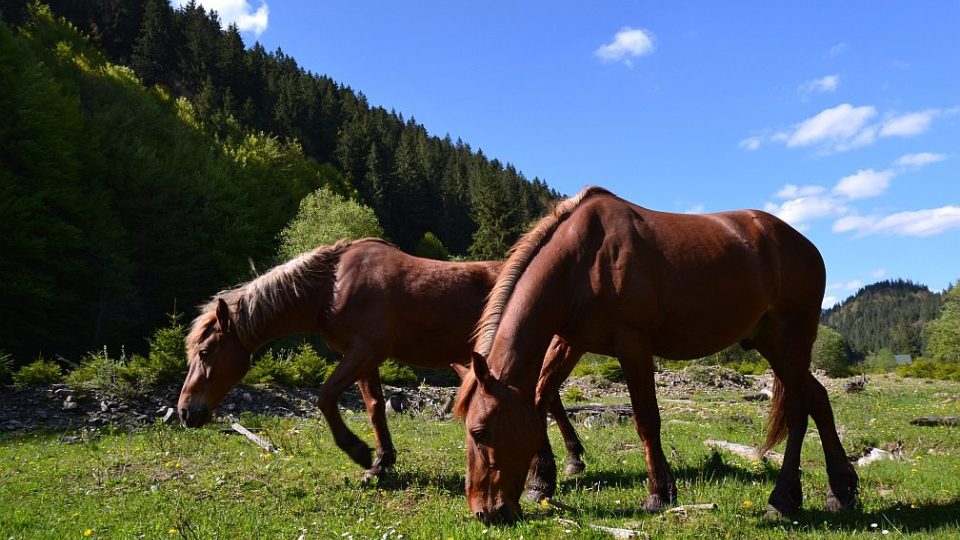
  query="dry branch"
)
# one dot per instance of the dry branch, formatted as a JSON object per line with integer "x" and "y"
{"x": 262, "y": 443}
{"x": 619, "y": 533}
{"x": 744, "y": 451}
{"x": 689, "y": 507}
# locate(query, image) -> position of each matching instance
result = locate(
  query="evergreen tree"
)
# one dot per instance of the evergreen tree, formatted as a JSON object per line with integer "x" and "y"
{"x": 154, "y": 44}
{"x": 943, "y": 334}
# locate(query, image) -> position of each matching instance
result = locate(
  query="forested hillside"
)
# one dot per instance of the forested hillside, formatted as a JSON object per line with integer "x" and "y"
{"x": 885, "y": 315}
{"x": 128, "y": 193}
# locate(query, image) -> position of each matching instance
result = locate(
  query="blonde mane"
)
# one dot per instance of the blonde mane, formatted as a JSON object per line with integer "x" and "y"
{"x": 264, "y": 297}
{"x": 519, "y": 257}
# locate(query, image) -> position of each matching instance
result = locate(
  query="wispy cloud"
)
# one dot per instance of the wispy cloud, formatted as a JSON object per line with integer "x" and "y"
{"x": 804, "y": 204}
{"x": 628, "y": 43}
{"x": 919, "y": 160}
{"x": 238, "y": 12}
{"x": 695, "y": 209}
{"x": 912, "y": 223}
{"x": 821, "y": 85}
{"x": 845, "y": 126}
{"x": 837, "y": 49}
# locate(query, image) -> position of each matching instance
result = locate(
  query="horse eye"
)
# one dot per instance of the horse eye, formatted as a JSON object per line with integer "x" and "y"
{"x": 204, "y": 353}
{"x": 479, "y": 435}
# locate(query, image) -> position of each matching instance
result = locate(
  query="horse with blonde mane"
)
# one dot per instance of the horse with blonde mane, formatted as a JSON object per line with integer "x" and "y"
{"x": 369, "y": 301}
{"x": 607, "y": 276}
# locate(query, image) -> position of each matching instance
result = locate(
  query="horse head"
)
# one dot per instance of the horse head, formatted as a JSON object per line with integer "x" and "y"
{"x": 499, "y": 446}
{"x": 217, "y": 361}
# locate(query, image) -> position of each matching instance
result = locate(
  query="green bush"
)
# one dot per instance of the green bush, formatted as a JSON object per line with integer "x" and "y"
{"x": 430, "y": 247}
{"x": 928, "y": 368}
{"x": 167, "y": 360}
{"x": 302, "y": 367}
{"x": 40, "y": 372}
{"x": 598, "y": 367}
{"x": 113, "y": 376}
{"x": 831, "y": 352}
{"x": 6, "y": 367}
{"x": 573, "y": 394}
{"x": 396, "y": 374}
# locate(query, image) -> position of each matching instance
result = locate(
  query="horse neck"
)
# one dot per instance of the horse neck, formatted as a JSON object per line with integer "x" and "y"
{"x": 300, "y": 315}
{"x": 527, "y": 329}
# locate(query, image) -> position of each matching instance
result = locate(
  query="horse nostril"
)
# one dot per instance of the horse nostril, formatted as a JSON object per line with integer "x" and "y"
{"x": 184, "y": 414}
{"x": 479, "y": 515}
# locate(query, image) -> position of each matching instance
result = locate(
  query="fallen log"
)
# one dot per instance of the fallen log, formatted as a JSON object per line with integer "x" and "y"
{"x": 690, "y": 507}
{"x": 262, "y": 443}
{"x": 619, "y": 533}
{"x": 936, "y": 421}
{"x": 744, "y": 451}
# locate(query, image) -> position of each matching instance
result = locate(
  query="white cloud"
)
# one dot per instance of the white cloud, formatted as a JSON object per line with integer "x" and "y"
{"x": 828, "y": 302}
{"x": 841, "y": 123}
{"x": 800, "y": 211}
{"x": 845, "y": 285}
{"x": 912, "y": 223}
{"x": 878, "y": 273}
{"x": 627, "y": 43}
{"x": 909, "y": 125}
{"x": 751, "y": 143}
{"x": 919, "y": 160}
{"x": 238, "y": 12}
{"x": 790, "y": 191}
{"x": 845, "y": 127}
{"x": 864, "y": 183}
{"x": 821, "y": 85}
{"x": 695, "y": 209}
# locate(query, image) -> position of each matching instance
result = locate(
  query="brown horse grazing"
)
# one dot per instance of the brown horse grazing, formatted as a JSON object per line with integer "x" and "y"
{"x": 369, "y": 301}
{"x": 611, "y": 277}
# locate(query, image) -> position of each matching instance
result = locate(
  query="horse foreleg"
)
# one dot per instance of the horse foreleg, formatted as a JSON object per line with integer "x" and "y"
{"x": 355, "y": 363}
{"x": 637, "y": 364}
{"x": 575, "y": 450}
{"x": 558, "y": 362}
{"x": 372, "y": 393}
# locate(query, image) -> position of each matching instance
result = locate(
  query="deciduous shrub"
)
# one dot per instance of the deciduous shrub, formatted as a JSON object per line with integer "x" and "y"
{"x": 928, "y": 368}
{"x": 598, "y": 367}
{"x": 396, "y": 374}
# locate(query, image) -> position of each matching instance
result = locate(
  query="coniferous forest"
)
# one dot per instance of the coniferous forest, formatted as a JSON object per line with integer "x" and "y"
{"x": 148, "y": 159}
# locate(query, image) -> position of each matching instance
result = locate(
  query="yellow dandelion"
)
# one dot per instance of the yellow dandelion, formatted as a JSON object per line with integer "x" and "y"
{"x": 172, "y": 531}
{"x": 747, "y": 503}
{"x": 544, "y": 503}
{"x": 87, "y": 532}
{"x": 178, "y": 465}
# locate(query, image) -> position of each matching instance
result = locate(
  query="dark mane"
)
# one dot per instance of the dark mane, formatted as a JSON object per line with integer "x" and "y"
{"x": 263, "y": 297}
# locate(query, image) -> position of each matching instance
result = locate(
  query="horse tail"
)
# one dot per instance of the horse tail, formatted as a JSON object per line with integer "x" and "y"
{"x": 518, "y": 258}
{"x": 777, "y": 421}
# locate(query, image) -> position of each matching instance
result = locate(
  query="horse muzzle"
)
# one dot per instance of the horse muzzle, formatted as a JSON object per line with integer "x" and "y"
{"x": 193, "y": 417}
{"x": 501, "y": 515}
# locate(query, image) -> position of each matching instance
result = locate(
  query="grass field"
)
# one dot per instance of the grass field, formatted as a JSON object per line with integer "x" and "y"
{"x": 168, "y": 482}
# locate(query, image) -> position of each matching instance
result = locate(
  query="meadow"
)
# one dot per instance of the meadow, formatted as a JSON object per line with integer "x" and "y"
{"x": 169, "y": 482}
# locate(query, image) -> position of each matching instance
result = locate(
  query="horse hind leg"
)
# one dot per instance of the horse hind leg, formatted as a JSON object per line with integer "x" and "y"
{"x": 843, "y": 479}
{"x": 372, "y": 392}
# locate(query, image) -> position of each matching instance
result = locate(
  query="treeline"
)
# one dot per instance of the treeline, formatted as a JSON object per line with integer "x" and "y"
{"x": 889, "y": 314}
{"x": 416, "y": 183}
{"x": 121, "y": 202}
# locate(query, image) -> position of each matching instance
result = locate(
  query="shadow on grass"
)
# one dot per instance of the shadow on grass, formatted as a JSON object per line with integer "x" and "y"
{"x": 399, "y": 480}
{"x": 898, "y": 518}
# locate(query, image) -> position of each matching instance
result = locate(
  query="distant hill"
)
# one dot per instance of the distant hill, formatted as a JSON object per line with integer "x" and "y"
{"x": 887, "y": 314}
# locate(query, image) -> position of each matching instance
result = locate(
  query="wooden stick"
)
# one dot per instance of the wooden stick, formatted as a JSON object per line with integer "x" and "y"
{"x": 744, "y": 451}
{"x": 266, "y": 445}
{"x": 560, "y": 505}
{"x": 688, "y": 507}
{"x": 619, "y": 533}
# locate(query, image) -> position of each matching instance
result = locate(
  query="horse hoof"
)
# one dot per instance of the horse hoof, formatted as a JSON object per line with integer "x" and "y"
{"x": 773, "y": 514}
{"x": 574, "y": 468}
{"x": 654, "y": 504}
{"x": 835, "y": 504}
{"x": 535, "y": 495}
{"x": 369, "y": 475}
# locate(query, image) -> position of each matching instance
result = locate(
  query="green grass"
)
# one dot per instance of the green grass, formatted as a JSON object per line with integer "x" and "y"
{"x": 168, "y": 482}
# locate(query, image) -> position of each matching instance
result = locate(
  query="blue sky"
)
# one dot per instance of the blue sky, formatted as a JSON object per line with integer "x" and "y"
{"x": 842, "y": 118}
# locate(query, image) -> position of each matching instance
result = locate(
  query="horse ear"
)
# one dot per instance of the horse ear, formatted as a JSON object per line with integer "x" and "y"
{"x": 223, "y": 316}
{"x": 481, "y": 370}
{"x": 461, "y": 370}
